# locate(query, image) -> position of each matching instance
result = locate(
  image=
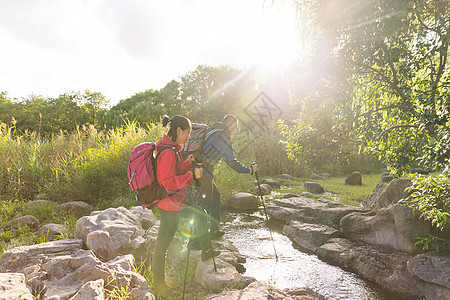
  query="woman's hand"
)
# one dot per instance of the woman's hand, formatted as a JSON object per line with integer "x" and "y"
{"x": 198, "y": 172}
{"x": 191, "y": 158}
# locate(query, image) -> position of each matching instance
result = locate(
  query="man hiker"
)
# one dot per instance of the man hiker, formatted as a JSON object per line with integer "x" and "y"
{"x": 218, "y": 146}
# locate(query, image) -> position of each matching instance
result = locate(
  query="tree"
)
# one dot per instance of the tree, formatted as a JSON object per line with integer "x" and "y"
{"x": 395, "y": 56}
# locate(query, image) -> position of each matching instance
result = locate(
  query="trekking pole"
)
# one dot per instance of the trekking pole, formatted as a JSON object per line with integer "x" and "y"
{"x": 191, "y": 221}
{"x": 187, "y": 262}
{"x": 265, "y": 213}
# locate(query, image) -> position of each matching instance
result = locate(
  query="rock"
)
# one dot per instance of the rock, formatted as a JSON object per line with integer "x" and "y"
{"x": 90, "y": 290}
{"x": 372, "y": 200}
{"x": 125, "y": 202}
{"x": 309, "y": 236}
{"x": 273, "y": 183}
{"x": 78, "y": 208}
{"x": 431, "y": 267}
{"x": 285, "y": 176}
{"x": 52, "y": 231}
{"x": 393, "y": 193}
{"x": 308, "y": 210}
{"x": 24, "y": 258}
{"x": 308, "y": 195}
{"x": 41, "y": 197}
{"x": 325, "y": 175}
{"x": 148, "y": 219}
{"x": 395, "y": 227}
{"x": 208, "y": 278}
{"x": 288, "y": 195}
{"x": 419, "y": 171}
{"x": 27, "y": 220}
{"x": 265, "y": 189}
{"x": 386, "y": 178}
{"x": 280, "y": 213}
{"x": 380, "y": 265}
{"x": 101, "y": 244}
{"x": 354, "y": 179}
{"x": 139, "y": 294}
{"x": 12, "y": 286}
{"x": 243, "y": 202}
{"x": 260, "y": 290}
{"x": 124, "y": 228}
{"x": 313, "y": 187}
{"x": 314, "y": 176}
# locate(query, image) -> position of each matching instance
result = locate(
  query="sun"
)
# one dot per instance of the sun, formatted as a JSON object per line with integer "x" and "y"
{"x": 274, "y": 39}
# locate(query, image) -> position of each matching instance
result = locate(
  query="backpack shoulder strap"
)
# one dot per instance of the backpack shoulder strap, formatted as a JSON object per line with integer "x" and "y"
{"x": 211, "y": 132}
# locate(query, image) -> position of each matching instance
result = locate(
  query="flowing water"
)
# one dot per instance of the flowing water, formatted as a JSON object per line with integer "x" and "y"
{"x": 294, "y": 268}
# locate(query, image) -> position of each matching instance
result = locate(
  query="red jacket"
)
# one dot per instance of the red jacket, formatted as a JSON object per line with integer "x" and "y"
{"x": 173, "y": 173}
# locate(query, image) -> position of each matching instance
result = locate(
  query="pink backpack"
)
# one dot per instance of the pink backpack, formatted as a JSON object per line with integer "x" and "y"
{"x": 142, "y": 174}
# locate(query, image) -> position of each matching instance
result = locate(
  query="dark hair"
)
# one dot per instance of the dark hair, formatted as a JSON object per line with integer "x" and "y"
{"x": 175, "y": 122}
{"x": 230, "y": 119}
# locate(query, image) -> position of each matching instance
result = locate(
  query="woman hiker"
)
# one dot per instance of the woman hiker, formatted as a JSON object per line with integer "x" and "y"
{"x": 174, "y": 175}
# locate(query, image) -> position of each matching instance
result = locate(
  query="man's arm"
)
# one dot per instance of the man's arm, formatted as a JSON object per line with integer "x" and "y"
{"x": 226, "y": 150}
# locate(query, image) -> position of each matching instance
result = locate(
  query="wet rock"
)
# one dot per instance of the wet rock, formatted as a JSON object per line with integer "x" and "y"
{"x": 285, "y": 176}
{"x": 395, "y": 227}
{"x": 431, "y": 267}
{"x": 309, "y": 236}
{"x": 381, "y": 265}
{"x": 280, "y": 213}
{"x": 313, "y": 187}
{"x": 210, "y": 279}
{"x": 308, "y": 210}
{"x": 52, "y": 231}
{"x": 243, "y": 202}
{"x": 12, "y": 286}
{"x": 273, "y": 183}
{"x": 77, "y": 208}
{"x": 260, "y": 290}
{"x": 354, "y": 179}
{"x": 27, "y": 220}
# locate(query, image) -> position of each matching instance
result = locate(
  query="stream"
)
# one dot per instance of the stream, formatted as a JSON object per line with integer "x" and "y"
{"x": 295, "y": 267}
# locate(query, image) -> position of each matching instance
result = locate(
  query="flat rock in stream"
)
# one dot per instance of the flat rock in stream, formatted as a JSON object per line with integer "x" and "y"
{"x": 259, "y": 290}
{"x": 309, "y": 210}
{"x": 309, "y": 236}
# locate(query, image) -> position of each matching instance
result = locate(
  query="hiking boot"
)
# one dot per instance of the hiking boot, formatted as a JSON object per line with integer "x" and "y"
{"x": 208, "y": 254}
{"x": 217, "y": 234}
{"x": 164, "y": 292}
{"x": 194, "y": 245}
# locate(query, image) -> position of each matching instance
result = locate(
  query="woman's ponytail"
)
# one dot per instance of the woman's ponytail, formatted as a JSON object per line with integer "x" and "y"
{"x": 165, "y": 120}
{"x": 175, "y": 122}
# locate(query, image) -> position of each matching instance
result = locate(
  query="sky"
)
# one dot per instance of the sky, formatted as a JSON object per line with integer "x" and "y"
{"x": 122, "y": 47}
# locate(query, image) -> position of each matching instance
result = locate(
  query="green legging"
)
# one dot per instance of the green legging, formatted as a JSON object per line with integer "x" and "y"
{"x": 167, "y": 227}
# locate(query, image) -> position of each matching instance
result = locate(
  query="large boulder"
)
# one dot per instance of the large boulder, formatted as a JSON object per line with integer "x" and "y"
{"x": 64, "y": 268}
{"x": 432, "y": 268}
{"x": 243, "y": 202}
{"x": 395, "y": 227}
{"x": 354, "y": 179}
{"x": 393, "y": 193}
{"x": 314, "y": 187}
{"x": 125, "y": 232}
